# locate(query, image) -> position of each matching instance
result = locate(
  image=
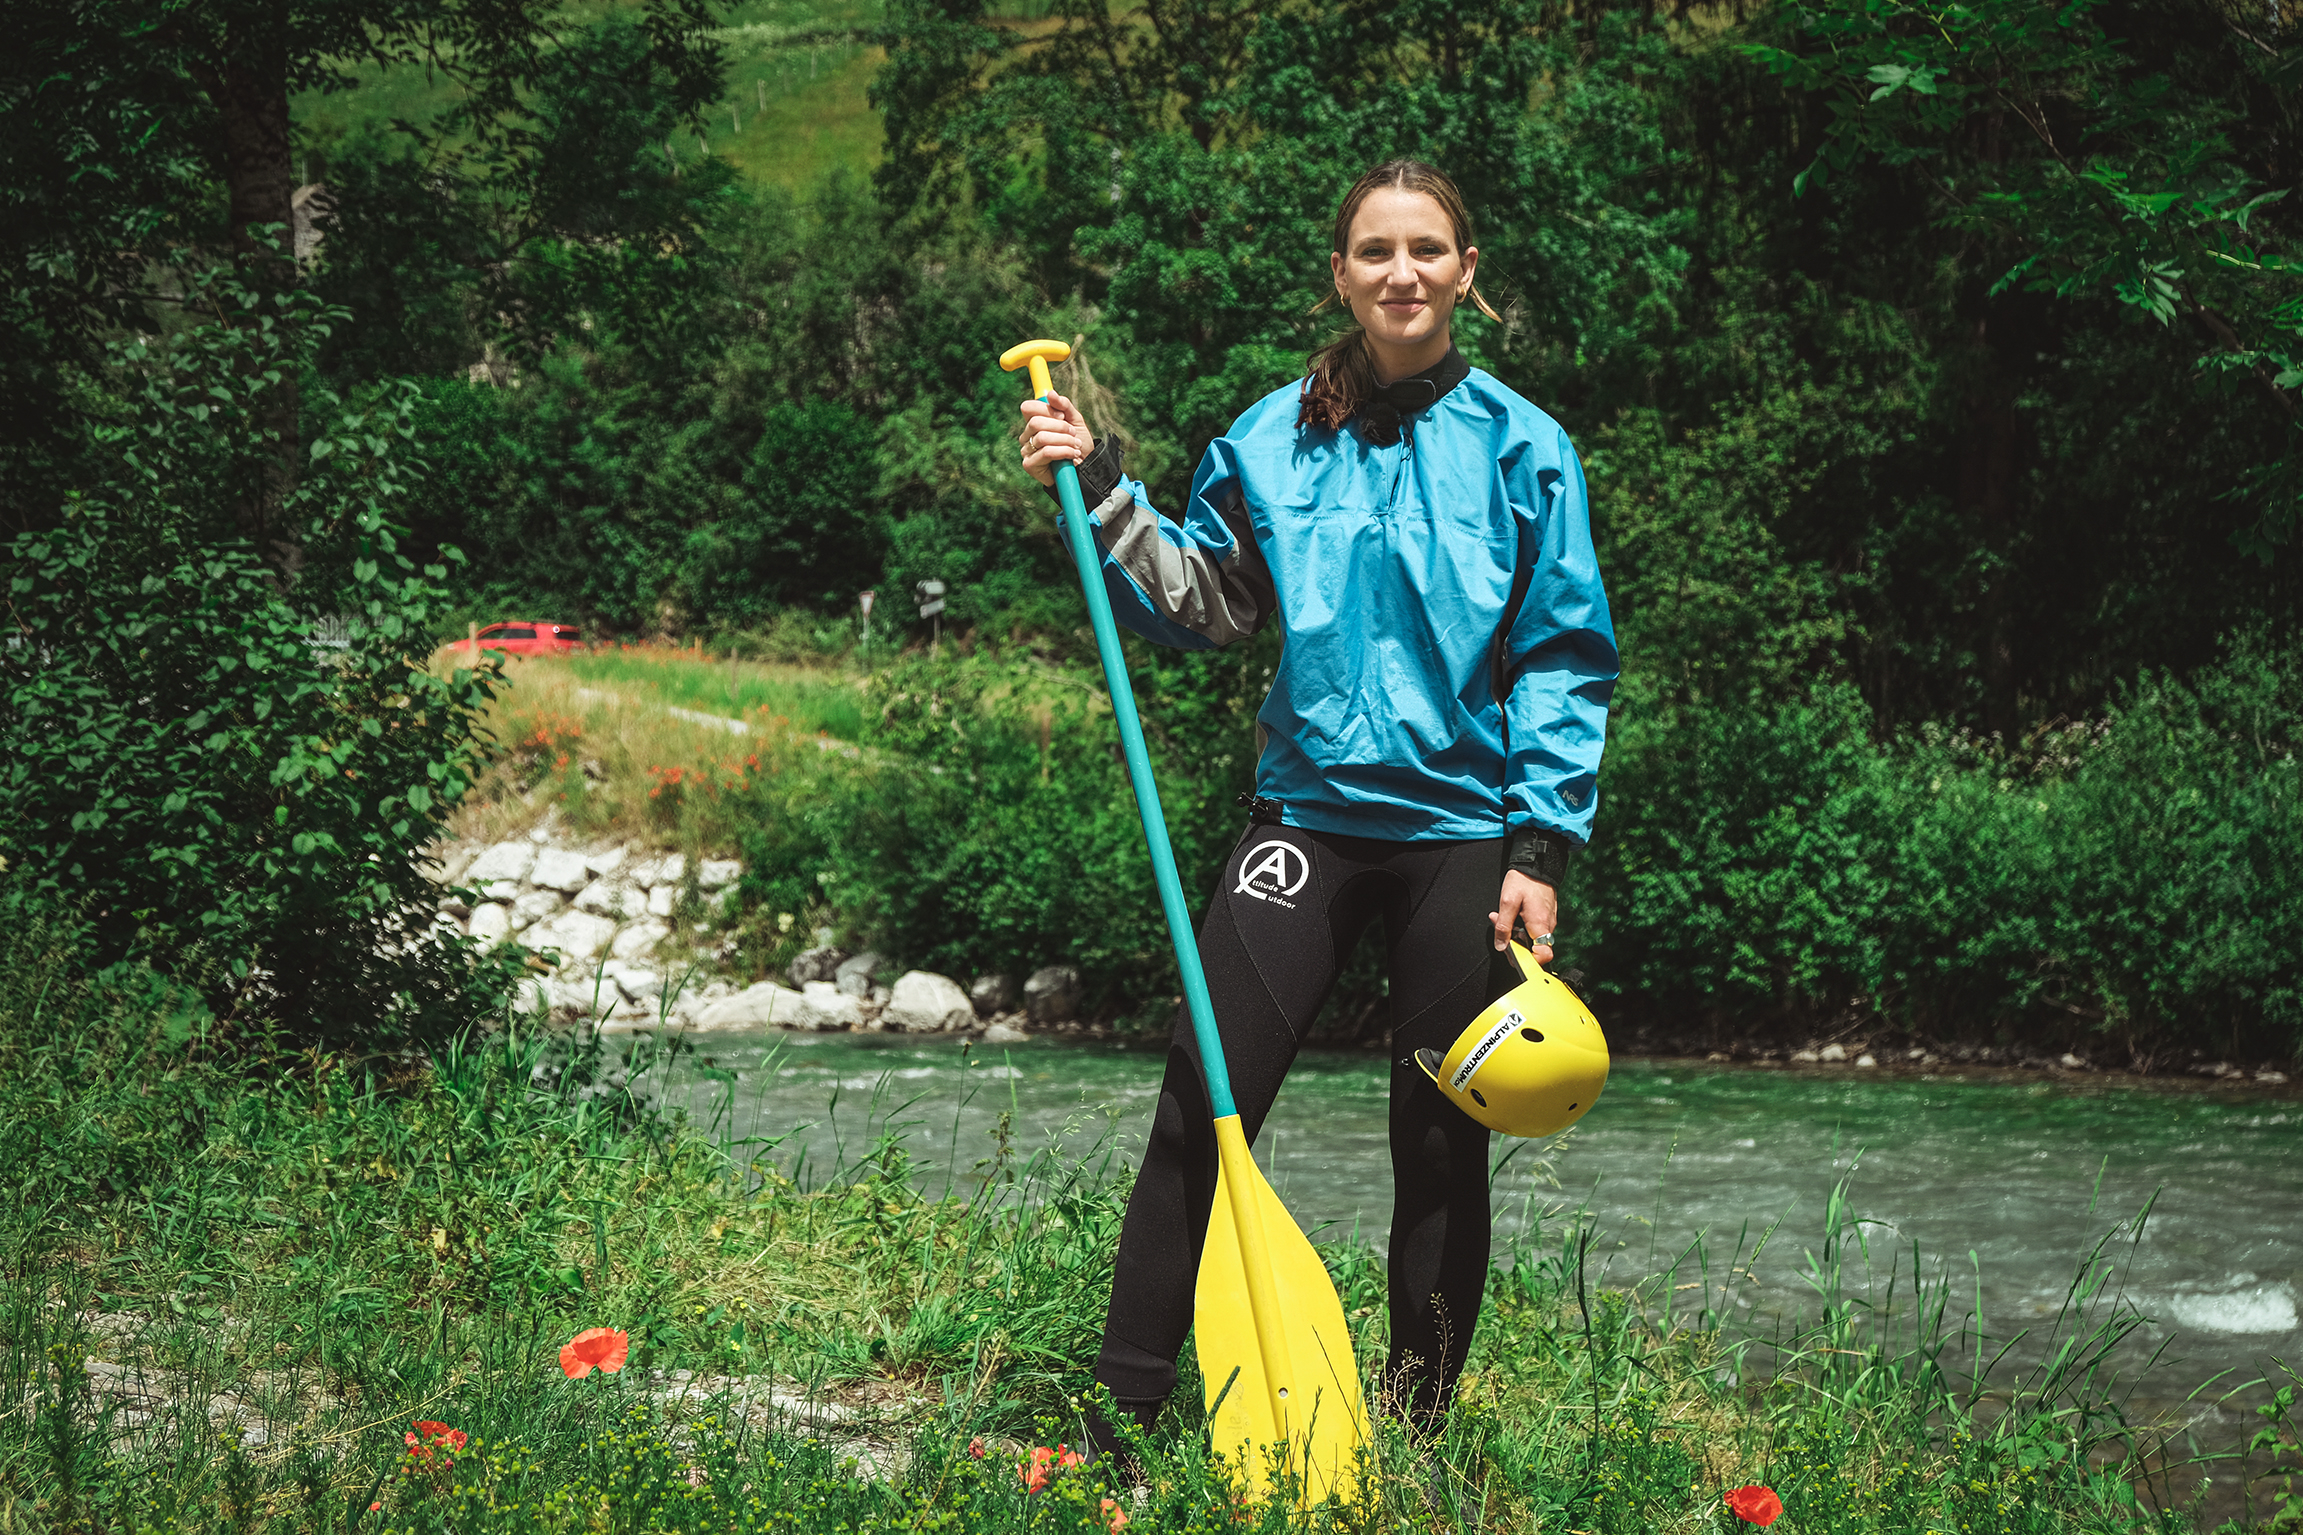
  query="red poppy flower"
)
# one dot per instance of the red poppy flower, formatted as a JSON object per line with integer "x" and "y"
{"x": 1113, "y": 1517}
{"x": 1756, "y": 1505}
{"x": 602, "y": 1348}
{"x": 976, "y": 1447}
{"x": 439, "y": 1433}
{"x": 1045, "y": 1463}
{"x": 425, "y": 1436}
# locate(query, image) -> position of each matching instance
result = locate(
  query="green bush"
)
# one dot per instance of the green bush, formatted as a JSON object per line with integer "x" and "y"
{"x": 1763, "y": 869}
{"x": 209, "y": 759}
{"x": 988, "y": 824}
{"x": 2131, "y": 881}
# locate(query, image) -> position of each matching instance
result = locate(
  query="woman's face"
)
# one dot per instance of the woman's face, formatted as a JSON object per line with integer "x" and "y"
{"x": 1403, "y": 276}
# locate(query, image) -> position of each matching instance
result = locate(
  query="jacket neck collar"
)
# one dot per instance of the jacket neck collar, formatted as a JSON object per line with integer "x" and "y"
{"x": 1391, "y": 412}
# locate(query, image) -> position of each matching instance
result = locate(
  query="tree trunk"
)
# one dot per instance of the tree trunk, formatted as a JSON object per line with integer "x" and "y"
{"x": 250, "y": 90}
{"x": 1990, "y": 459}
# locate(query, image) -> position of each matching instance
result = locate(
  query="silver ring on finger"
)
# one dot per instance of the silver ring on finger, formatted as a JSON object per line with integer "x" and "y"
{"x": 1543, "y": 940}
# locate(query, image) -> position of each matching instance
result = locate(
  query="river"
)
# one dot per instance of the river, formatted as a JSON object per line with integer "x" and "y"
{"x": 2004, "y": 1186}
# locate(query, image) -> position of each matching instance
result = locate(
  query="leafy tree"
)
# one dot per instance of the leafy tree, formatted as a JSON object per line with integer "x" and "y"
{"x": 229, "y": 776}
{"x": 2116, "y": 151}
{"x": 158, "y": 88}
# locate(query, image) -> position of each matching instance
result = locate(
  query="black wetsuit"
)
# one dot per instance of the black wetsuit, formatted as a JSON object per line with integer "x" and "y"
{"x": 1290, "y": 908}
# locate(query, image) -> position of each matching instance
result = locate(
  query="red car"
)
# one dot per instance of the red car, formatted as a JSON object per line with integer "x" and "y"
{"x": 526, "y": 637}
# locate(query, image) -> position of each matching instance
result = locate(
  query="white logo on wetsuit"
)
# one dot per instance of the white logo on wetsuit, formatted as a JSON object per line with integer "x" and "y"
{"x": 1272, "y": 862}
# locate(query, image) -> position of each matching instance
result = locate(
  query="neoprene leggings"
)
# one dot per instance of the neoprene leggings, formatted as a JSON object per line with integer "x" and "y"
{"x": 1290, "y": 908}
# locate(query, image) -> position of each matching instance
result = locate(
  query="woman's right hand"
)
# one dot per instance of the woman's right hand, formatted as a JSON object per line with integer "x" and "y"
{"x": 1054, "y": 432}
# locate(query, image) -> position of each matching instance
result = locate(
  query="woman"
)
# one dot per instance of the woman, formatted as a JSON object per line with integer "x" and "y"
{"x": 1430, "y": 746}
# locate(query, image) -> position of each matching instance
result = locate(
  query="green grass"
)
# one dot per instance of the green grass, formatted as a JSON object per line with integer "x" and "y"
{"x": 810, "y": 700}
{"x": 793, "y": 111}
{"x": 344, "y": 1249}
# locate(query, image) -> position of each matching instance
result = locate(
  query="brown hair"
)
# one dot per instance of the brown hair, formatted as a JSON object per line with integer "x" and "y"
{"x": 1343, "y": 371}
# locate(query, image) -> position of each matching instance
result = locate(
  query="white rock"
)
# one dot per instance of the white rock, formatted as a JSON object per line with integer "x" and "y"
{"x": 1867, "y": 1059}
{"x": 534, "y": 907}
{"x": 827, "y": 1009}
{"x": 1805, "y": 1057}
{"x": 583, "y": 994}
{"x": 662, "y": 899}
{"x": 2270, "y": 1078}
{"x": 531, "y": 996}
{"x": 453, "y": 861}
{"x": 576, "y": 934}
{"x": 820, "y": 963}
{"x": 506, "y": 860}
{"x": 636, "y": 984}
{"x": 558, "y": 869}
{"x": 715, "y": 873}
{"x": 1052, "y": 995}
{"x": 766, "y": 1005}
{"x": 1004, "y": 1033}
{"x": 639, "y": 940}
{"x": 667, "y": 870}
{"x": 609, "y": 898}
{"x": 491, "y": 923}
{"x": 926, "y": 1003}
{"x": 854, "y": 976}
{"x": 506, "y": 890}
{"x": 445, "y": 921}
{"x": 605, "y": 863}
{"x": 995, "y": 993}
{"x": 1833, "y": 1053}
{"x": 2070, "y": 1062}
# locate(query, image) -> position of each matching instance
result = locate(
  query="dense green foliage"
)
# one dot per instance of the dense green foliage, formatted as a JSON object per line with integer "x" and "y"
{"x": 1936, "y": 379}
{"x": 2129, "y": 883}
{"x": 2126, "y": 888}
{"x": 225, "y": 773}
{"x": 207, "y": 1240}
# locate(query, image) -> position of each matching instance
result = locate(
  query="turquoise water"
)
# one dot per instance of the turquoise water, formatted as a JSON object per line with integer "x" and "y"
{"x": 2004, "y": 1186}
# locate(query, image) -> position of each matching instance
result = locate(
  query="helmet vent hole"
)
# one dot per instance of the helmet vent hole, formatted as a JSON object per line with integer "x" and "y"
{"x": 1571, "y": 1108}
{"x": 1532, "y": 1036}
{"x": 1479, "y": 1097}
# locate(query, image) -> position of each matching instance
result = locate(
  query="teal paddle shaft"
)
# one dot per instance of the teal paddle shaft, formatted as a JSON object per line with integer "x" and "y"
{"x": 1090, "y": 561}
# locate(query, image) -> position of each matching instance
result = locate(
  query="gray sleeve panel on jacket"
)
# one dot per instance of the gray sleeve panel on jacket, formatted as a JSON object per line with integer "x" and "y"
{"x": 1220, "y": 599}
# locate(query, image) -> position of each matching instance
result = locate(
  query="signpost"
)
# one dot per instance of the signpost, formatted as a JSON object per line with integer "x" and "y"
{"x": 930, "y": 596}
{"x": 865, "y": 602}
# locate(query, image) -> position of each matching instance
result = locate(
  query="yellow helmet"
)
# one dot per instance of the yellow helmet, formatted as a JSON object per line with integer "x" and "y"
{"x": 1529, "y": 1065}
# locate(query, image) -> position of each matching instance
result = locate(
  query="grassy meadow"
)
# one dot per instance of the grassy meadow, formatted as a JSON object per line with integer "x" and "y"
{"x": 794, "y": 108}
{"x": 239, "y": 1280}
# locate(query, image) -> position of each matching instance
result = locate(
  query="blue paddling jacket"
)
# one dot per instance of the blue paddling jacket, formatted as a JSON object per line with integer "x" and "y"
{"x": 1449, "y": 656}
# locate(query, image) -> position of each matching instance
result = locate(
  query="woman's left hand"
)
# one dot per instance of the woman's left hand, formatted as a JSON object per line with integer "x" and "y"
{"x": 1528, "y": 901}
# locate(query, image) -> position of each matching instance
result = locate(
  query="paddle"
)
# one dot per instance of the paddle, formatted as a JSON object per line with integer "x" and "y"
{"x": 1283, "y": 1392}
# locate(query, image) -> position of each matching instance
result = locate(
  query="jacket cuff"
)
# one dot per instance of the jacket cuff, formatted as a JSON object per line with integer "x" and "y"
{"x": 1099, "y": 474}
{"x": 1539, "y": 854}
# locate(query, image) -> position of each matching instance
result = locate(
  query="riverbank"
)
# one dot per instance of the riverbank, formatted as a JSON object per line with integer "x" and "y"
{"x": 958, "y": 813}
{"x": 239, "y": 1282}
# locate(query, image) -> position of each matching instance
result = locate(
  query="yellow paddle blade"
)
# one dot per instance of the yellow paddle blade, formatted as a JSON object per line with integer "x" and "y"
{"x": 1282, "y": 1388}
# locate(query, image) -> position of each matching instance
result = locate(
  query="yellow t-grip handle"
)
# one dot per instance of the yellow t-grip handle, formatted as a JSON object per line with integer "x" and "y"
{"x": 1036, "y": 355}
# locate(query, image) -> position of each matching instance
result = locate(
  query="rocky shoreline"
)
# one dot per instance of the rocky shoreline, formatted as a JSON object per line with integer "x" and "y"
{"x": 603, "y": 922}
{"x": 609, "y": 911}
